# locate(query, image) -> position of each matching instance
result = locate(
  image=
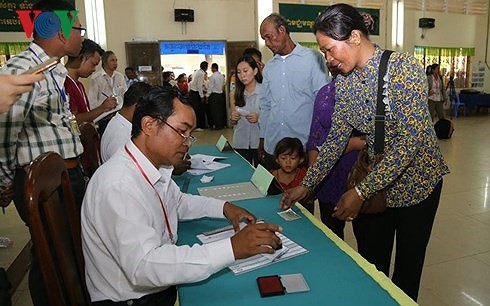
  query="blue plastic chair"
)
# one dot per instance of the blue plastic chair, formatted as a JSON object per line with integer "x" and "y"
{"x": 456, "y": 104}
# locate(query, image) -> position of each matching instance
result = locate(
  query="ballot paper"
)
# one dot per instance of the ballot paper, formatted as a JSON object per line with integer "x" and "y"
{"x": 289, "y": 250}
{"x": 107, "y": 113}
{"x": 243, "y": 112}
{"x": 201, "y": 164}
{"x": 261, "y": 184}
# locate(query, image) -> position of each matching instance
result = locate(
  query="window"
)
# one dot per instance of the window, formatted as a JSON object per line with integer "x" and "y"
{"x": 456, "y": 61}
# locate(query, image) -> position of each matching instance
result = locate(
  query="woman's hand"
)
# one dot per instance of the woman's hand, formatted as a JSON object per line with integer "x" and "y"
{"x": 291, "y": 196}
{"x": 355, "y": 144}
{"x": 234, "y": 117}
{"x": 253, "y": 117}
{"x": 348, "y": 206}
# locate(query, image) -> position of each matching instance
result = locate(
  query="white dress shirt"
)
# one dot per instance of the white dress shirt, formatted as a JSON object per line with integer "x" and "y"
{"x": 103, "y": 86}
{"x": 215, "y": 84}
{"x": 126, "y": 245}
{"x": 197, "y": 82}
{"x": 116, "y": 134}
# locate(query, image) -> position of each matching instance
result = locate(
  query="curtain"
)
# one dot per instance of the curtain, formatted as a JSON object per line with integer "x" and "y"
{"x": 441, "y": 51}
{"x": 12, "y": 48}
{"x": 311, "y": 45}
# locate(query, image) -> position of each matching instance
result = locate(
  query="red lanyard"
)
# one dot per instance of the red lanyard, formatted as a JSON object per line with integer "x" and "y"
{"x": 158, "y": 195}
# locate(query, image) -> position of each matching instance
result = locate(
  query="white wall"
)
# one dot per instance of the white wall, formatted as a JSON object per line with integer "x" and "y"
{"x": 151, "y": 20}
{"x": 451, "y": 30}
{"x": 235, "y": 20}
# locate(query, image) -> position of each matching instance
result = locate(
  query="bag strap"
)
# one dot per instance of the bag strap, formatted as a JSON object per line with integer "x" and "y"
{"x": 379, "y": 118}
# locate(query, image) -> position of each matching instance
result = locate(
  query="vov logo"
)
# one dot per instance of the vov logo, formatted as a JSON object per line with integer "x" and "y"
{"x": 47, "y": 24}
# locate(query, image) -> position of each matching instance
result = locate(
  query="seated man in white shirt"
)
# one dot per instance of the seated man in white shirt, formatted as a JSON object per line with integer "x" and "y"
{"x": 131, "y": 210}
{"x": 118, "y": 130}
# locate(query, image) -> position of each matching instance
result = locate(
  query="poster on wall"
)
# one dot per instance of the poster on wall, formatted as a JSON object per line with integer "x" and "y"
{"x": 478, "y": 75}
{"x": 301, "y": 17}
{"x": 9, "y": 20}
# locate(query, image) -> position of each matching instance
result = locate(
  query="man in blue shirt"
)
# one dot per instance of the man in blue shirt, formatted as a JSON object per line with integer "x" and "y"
{"x": 292, "y": 79}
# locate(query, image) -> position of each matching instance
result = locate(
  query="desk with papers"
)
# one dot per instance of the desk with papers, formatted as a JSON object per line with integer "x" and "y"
{"x": 335, "y": 274}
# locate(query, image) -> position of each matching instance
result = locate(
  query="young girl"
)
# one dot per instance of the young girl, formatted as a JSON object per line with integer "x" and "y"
{"x": 244, "y": 105}
{"x": 290, "y": 157}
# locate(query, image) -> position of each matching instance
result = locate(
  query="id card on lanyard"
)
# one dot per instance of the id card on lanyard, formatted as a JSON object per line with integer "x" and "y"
{"x": 65, "y": 100}
{"x": 66, "y": 107}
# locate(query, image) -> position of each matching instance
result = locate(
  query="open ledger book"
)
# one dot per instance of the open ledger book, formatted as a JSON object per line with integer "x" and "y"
{"x": 289, "y": 249}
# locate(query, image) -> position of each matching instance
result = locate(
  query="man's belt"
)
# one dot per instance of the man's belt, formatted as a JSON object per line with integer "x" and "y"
{"x": 70, "y": 163}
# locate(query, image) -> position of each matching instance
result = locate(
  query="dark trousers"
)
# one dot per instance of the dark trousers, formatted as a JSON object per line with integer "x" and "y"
{"x": 215, "y": 110}
{"x": 36, "y": 284}
{"x": 336, "y": 225}
{"x": 251, "y": 155}
{"x": 412, "y": 226}
{"x": 199, "y": 108}
{"x": 162, "y": 298}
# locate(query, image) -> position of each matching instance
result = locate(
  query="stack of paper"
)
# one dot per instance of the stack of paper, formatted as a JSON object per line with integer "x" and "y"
{"x": 201, "y": 164}
{"x": 289, "y": 249}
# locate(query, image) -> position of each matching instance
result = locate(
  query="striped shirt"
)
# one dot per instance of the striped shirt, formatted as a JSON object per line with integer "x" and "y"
{"x": 412, "y": 163}
{"x": 38, "y": 121}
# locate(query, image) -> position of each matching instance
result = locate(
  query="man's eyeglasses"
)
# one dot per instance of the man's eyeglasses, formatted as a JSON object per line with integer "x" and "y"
{"x": 186, "y": 140}
{"x": 82, "y": 30}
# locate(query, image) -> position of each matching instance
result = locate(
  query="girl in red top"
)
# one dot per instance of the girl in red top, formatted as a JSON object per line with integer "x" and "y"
{"x": 290, "y": 157}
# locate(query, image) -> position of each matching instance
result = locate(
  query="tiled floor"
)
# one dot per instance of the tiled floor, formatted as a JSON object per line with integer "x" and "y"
{"x": 457, "y": 269}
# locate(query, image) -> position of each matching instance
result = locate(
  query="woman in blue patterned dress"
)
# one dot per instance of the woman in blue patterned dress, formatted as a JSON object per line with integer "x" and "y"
{"x": 412, "y": 168}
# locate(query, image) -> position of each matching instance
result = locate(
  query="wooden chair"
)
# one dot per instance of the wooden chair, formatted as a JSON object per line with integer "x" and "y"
{"x": 90, "y": 157}
{"x": 54, "y": 224}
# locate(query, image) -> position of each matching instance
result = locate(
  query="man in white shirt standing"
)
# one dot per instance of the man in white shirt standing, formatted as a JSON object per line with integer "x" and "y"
{"x": 197, "y": 96}
{"x": 216, "y": 106}
{"x": 107, "y": 82}
{"x": 131, "y": 210}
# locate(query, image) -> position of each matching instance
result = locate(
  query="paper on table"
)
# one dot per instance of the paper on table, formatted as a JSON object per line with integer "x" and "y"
{"x": 289, "y": 249}
{"x": 258, "y": 187}
{"x": 201, "y": 164}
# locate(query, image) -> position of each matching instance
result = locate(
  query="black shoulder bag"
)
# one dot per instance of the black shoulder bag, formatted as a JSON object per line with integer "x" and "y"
{"x": 361, "y": 168}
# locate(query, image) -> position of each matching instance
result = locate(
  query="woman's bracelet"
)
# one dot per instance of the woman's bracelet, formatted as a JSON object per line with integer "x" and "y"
{"x": 359, "y": 193}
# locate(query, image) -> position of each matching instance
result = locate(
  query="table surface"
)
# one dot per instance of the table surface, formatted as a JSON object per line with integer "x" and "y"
{"x": 336, "y": 274}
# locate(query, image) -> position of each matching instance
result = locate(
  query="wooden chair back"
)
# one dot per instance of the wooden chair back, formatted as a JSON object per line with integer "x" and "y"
{"x": 90, "y": 157}
{"x": 54, "y": 224}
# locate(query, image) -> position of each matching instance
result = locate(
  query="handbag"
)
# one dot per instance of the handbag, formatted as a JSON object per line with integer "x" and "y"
{"x": 362, "y": 167}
